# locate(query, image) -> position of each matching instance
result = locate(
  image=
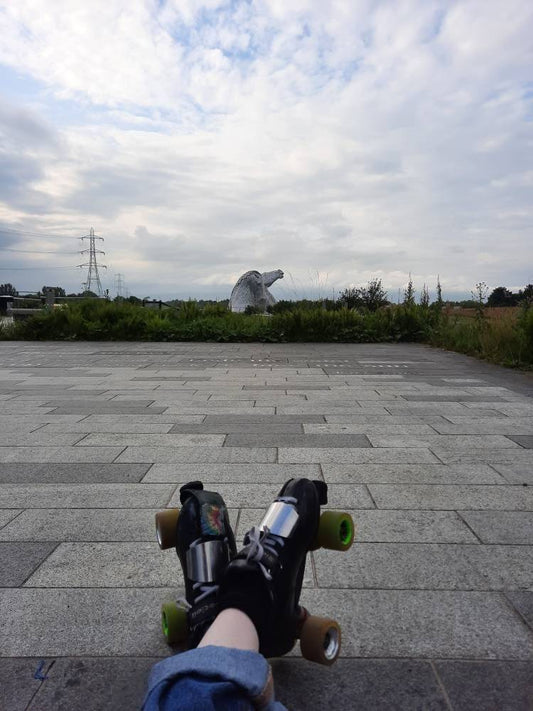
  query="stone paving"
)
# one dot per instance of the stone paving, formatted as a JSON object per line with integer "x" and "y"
{"x": 432, "y": 452}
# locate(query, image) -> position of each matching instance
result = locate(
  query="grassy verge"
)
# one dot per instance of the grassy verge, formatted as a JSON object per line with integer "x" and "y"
{"x": 507, "y": 339}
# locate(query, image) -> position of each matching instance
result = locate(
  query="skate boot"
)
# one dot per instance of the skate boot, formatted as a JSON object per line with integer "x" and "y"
{"x": 204, "y": 542}
{"x": 265, "y": 579}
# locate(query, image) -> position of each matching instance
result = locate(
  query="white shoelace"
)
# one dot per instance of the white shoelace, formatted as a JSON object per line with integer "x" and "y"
{"x": 259, "y": 541}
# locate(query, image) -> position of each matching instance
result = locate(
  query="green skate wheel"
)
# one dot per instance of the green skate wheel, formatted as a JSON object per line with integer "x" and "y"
{"x": 165, "y": 525}
{"x": 320, "y": 640}
{"x": 336, "y": 531}
{"x": 174, "y": 622}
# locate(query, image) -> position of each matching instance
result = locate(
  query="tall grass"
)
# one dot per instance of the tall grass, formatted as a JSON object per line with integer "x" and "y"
{"x": 507, "y": 339}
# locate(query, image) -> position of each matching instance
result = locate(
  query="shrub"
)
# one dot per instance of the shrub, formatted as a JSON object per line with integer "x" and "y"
{"x": 507, "y": 339}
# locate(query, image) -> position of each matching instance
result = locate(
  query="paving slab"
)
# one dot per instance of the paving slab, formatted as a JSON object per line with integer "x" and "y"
{"x": 361, "y": 455}
{"x": 118, "y": 426}
{"x": 87, "y": 525}
{"x": 452, "y": 497}
{"x": 18, "y": 684}
{"x": 524, "y": 440}
{"x": 478, "y": 686}
{"x": 385, "y": 418}
{"x": 47, "y": 621}
{"x": 243, "y": 428}
{"x": 258, "y": 419}
{"x": 511, "y": 527}
{"x": 195, "y": 454}
{"x": 490, "y": 425}
{"x": 80, "y": 472}
{"x": 151, "y": 440}
{"x": 441, "y": 570}
{"x": 515, "y": 473}
{"x": 248, "y": 495}
{"x": 237, "y": 473}
{"x": 106, "y": 684}
{"x": 18, "y": 560}
{"x": 81, "y": 525}
{"x": 410, "y": 527}
{"x": 444, "y": 442}
{"x": 105, "y": 408}
{"x": 369, "y": 429}
{"x": 377, "y": 684}
{"x": 427, "y": 567}
{"x": 411, "y": 474}
{"x": 424, "y": 623}
{"x": 107, "y": 565}
{"x": 59, "y": 454}
{"x": 95, "y": 422}
{"x": 503, "y": 455}
{"x": 296, "y": 440}
{"x": 66, "y": 496}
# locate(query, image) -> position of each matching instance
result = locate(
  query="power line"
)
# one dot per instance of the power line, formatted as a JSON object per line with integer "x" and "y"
{"x": 33, "y": 251}
{"x": 25, "y": 269}
{"x": 31, "y": 233}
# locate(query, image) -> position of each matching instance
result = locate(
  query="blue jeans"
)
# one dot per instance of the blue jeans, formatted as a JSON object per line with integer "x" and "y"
{"x": 212, "y": 679}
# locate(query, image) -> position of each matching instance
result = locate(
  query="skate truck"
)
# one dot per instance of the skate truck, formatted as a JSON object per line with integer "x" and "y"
{"x": 271, "y": 565}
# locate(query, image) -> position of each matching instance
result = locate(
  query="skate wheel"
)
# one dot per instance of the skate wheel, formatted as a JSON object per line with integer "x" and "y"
{"x": 174, "y": 622}
{"x": 320, "y": 640}
{"x": 336, "y": 531}
{"x": 165, "y": 525}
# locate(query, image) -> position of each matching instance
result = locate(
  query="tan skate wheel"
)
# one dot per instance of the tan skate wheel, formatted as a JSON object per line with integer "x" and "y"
{"x": 320, "y": 640}
{"x": 165, "y": 525}
{"x": 336, "y": 531}
{"x": 174, "y": 622}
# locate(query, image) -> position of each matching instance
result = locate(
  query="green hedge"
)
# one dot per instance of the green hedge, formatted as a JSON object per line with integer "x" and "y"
{"x": 508, "y": 340}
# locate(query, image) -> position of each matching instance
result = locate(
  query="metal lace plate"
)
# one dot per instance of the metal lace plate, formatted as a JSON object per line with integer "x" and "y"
{"x": 206, "y": 561}
{"x": 280, "y": 519}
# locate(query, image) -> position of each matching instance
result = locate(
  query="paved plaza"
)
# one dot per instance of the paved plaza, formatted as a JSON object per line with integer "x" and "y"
{"x": 431, "y": 452}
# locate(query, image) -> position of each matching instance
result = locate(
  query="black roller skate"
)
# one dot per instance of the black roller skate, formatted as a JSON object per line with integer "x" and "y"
{"x": 265, "y": 579}
{"x": 204, "y": 542}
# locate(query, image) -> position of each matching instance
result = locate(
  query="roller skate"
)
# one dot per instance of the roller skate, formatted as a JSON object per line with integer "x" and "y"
{"x": 265, "y": 579}
{"x": 204, "y": 542}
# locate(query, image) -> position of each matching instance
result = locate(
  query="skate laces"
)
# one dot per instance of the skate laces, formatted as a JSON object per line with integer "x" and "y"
{"x": 261, "y": 541}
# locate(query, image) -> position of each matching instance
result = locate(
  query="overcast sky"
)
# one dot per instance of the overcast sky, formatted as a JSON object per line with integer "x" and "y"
{"x": 337, "y": 141}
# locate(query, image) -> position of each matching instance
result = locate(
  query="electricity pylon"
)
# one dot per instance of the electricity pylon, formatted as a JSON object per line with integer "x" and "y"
{"x": 119, "y": 285}
{"x": 93, "y": 278}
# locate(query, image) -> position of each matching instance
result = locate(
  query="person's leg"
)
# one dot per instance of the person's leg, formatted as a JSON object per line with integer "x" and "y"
{"x": 225, "y": 671}
{"x": 232, "y": 628}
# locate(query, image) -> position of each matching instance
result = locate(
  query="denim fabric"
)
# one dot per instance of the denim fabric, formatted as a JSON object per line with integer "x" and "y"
{"x": 212, "y": 679}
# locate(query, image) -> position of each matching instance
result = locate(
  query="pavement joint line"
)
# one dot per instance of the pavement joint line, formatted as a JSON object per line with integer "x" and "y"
{"x": 516, "y": 611}
{"x": 39, "y": 427}
{"x": 366, "y": 487}
{"x": 23, "y": 583}
{"x": 13, "y": 519}
{"x": 440, "y": 684}
{"x": 441, "y": 461}
{"x": 174, "y": 490}
{"x": 462, "y": 518}
{"x": 119, "y": 454}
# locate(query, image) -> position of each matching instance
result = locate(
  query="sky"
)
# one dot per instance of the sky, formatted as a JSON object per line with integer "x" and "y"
{"x": 340, "y": 142}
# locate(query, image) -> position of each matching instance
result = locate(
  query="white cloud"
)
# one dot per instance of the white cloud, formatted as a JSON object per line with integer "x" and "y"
{"x": 203, "y": 139}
